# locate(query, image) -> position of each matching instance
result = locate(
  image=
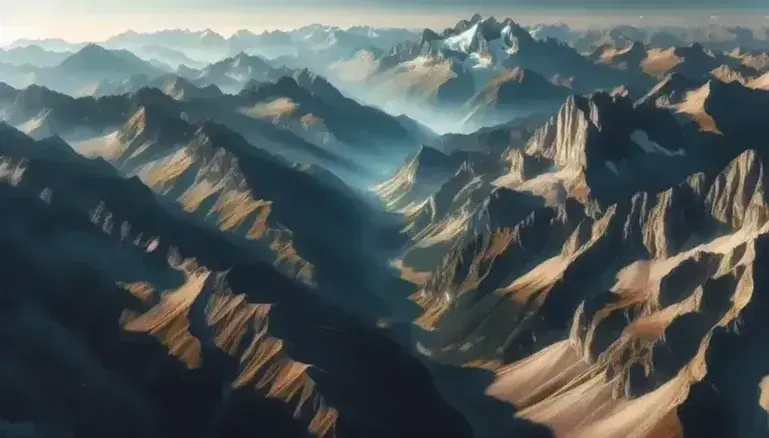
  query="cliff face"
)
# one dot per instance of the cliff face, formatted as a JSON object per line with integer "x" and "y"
{"x": 604, "y": 267}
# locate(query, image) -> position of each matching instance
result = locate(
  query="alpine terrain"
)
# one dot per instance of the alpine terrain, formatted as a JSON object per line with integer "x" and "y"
{"x": 492, "y": 230}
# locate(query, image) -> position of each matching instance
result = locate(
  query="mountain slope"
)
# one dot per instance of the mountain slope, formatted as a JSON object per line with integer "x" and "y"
{"x": 172, "y": 85}
{"x": 302, "y": 118}
{"x": 514, "y": 93}
{"x": 233, "y": 73}
{"x": 203, "y": 339}
{"x": 95, "y": 59}
{"x": 32, "y": 55}
{"x": 81, "y": 71}
{"x": 606, "y": 274}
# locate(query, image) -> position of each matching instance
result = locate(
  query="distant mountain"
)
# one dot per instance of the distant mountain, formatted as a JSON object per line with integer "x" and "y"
{"x": 620, "y": 36}
{"x": 270, "y": 44}
{"x": 232, "y": 74}
{"x": 558, "y": 31}
{"x": 209, "y": 38}
{"x": 18, "y": 75}
{"x": 94, "y": 59}
{"x": 302, "y": 117}
{"x": 49, "y": 44}
{"x": 32, "y": 55}
{"x": 711, "y": 36}
{"x": 171, "y": 38}
{"x": 80, "y": 72}
{"x": 692, "y": 61}
{"x": 172, "y": 85}
{"x": 316, "y": 44}
{"x": 168, "y": 55}
{"x": 755, "y": 60}
{"x": 466, "y": 64}
{"x": 194, "y": 48}
{"x": 309, "y": 99}
{"x": 323, "y": 37}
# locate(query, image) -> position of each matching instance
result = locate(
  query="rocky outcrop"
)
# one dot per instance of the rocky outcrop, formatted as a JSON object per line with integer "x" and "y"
{"x": 418, "y": 179}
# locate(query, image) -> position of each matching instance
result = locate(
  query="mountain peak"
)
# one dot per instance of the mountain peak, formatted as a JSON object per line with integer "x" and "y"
{"x": 287, "y": 82}
{"x": 316, "y": 84}
{"x": 95, "y": 58}
{"x": 209, "y": 37}
{"x": 243, "y": 33}
{"x": 127, "y": 33}
{"x": 37, "y": 96}
{"x": 6, "y": 89}
{"x": 429, "y": 35}
{"x": 670, "y": 90}
{"x": 92, "y": 48}
{"x": 285, "y": 86}
{"x": 150, "y": 122}
{"x": 430, "y": 156}
{"x": 477, "y": 35}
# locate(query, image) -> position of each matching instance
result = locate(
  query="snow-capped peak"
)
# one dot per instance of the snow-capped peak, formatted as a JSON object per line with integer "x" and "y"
{"x": 464, "y": 41}
{"x": 478, "y": 43}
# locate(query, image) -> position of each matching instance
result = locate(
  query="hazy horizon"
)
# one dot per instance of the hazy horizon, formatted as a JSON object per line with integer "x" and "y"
{"x": 75, "y": 25}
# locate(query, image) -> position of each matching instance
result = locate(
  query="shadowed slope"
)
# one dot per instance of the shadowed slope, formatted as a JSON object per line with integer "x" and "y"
{"x": 249, "y": 327}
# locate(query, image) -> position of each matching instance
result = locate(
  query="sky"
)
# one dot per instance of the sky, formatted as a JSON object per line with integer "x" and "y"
{"x": 93, "y": 20}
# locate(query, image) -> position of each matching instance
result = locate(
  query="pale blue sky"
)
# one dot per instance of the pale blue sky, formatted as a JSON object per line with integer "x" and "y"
{"x": 96, "y": 19}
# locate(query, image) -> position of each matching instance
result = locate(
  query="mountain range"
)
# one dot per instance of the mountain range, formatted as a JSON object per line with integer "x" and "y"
{"x": 476, "y": 62}
{"x": 484, "y": 231}
{"x": 713, "y": 36}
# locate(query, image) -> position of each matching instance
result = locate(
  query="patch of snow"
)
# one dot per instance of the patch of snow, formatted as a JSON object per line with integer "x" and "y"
{"x": 641, "y": 138}
{"x": 507, "y": 44}
{"x": 498, "y": 48}
{"x": 503, "y": 46}
{"x": 463, "y": 41}
{"x": 481, "y": 61}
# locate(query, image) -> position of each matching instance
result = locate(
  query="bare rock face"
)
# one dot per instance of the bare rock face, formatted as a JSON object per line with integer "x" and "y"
{"x": 418, "y": 178}
{"x": 618, "y": 282}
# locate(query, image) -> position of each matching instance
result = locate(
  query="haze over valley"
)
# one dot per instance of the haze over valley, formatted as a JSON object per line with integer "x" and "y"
{"x": 475, "y": 226}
